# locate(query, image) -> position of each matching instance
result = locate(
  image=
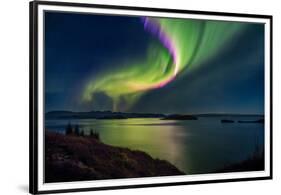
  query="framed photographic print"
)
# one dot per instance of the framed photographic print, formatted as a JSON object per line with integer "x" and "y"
{"x": 127, "y": 97}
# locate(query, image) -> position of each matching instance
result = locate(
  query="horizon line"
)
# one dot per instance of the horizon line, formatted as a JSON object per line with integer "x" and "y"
{"x": 201, "y": 113}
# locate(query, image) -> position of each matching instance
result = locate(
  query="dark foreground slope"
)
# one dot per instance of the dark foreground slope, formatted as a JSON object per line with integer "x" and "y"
{"x": 253, "y": 163}
{"x": 76, "y": 158}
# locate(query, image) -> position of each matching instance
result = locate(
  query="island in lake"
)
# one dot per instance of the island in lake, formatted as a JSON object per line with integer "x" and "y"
{"x": 180, "y": 117}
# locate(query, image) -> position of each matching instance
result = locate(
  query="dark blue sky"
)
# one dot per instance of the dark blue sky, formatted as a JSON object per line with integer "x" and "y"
{"x": 78, "y": 47}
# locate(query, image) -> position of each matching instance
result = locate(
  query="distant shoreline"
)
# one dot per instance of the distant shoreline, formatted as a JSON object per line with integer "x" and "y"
{"x": 125, "y": 115}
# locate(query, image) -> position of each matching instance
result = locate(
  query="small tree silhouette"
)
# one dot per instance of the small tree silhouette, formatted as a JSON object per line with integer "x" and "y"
{"x": 68, "y": 129}
{"x": 76, "y": 130}
{"x": 82, "y": 133}
{"x": 94, "y": 134}
{"x": 91, "y": 132}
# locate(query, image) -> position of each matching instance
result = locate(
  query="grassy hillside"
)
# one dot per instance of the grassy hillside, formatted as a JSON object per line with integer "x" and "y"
{"x": 77, "y": 158}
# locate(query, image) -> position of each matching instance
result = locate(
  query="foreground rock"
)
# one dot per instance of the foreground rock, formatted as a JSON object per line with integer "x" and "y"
{"x": 76, "y": 158}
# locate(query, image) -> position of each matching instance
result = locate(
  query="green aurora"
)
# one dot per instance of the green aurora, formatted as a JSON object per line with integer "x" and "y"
{"x": 180, "y": 45}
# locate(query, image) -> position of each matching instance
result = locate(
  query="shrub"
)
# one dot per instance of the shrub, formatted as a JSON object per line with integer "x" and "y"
{"x": 97, "y": 135}
{"x": 82, "y": 133}
{"x": 76, "y": 130}
{"x": 91, "y": 132}
{"x": 68, "y": 129}
{"x": 94, "y": 134}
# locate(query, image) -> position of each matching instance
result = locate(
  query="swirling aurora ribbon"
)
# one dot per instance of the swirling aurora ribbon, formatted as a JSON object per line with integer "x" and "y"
{"x": 183, "y": 45}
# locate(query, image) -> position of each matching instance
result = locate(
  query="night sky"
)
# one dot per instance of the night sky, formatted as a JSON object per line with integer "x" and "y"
{"x": 99, "y": 62}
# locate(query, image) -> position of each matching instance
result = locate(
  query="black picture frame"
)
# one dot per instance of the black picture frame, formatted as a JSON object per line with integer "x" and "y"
{"x": 33, "y": 95}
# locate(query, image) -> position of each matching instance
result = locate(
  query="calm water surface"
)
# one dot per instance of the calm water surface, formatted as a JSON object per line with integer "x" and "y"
{"x": 199, "y": 146}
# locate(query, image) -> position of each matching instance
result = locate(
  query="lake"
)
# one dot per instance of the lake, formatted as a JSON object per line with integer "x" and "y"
{"x": 194, "y": 146}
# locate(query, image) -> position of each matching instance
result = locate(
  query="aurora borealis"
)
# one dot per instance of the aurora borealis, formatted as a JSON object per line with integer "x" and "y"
{"x": 152, "y": 64}
{"x": 183, "y": 44}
